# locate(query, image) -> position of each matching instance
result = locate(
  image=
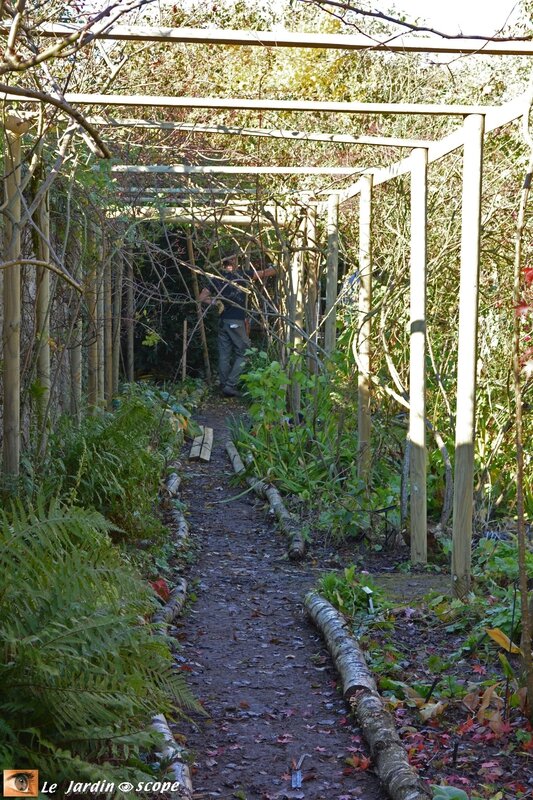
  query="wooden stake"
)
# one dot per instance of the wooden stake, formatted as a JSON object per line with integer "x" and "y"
{"x": 332, "y": 263}
{"x": 108, "y": 331}
{"x": 42, "y": 311}
{"x": 362, "y": 340}
{"x": 199, "y": 311}
{"x": 92, "y": 336}
{"x": 295, "y": 307}
{"x": 184, "y": 352}
{"x": 311, "y": 304}
{"x": 130, "y": 323}
{"x": 417, "y": 368}
{"x": 100, "y": 320}
{"x": 117, "y": 320}
{"x": 467, "y": 355}
{"x": 12, "y": 306}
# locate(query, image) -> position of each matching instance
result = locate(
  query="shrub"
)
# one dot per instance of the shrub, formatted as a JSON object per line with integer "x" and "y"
{"x": 81, "y": 671}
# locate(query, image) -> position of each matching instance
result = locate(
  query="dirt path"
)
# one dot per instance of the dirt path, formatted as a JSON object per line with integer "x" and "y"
{"x": 258, "y": 666}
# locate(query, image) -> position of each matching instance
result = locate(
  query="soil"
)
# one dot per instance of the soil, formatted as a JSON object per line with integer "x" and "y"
{"x": 251, "y": 656}
{"x": 267, "y": 682}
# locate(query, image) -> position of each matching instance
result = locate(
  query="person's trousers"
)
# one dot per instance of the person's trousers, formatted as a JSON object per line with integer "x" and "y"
{"x": 233, "y": 342}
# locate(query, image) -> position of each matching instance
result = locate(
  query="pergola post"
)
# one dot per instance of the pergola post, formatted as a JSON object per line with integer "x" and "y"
{"x": 100, "y": 318}
{"x": 108, "y": 331}
{"x": 296, "y": 311}
{"x": 332, "y": 266}
{"x": 362, "y": 339}
{"x": 92, "y": 327}
{"x": 199, "y": 311}
{"x": 130, "y": 322}
{"x": 467, "y": 353}
{"x": 42, "y": 310}
{"x": 417, "y": 365}
{"x": 117, "y": 320}
{"x": 311, "y": 301}
{"x": 12, "y": 306}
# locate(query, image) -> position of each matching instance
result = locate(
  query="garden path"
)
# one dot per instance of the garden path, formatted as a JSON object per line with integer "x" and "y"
{"x": 252, "y": 658}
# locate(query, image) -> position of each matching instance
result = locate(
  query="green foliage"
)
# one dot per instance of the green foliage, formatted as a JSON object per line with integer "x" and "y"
{"x": 81, "y": 670}
{"x": 350, "y": 592}
{"x": 314, "y": 457}
{"x": 448, "y": 793}
{"x": 113, "y": 461}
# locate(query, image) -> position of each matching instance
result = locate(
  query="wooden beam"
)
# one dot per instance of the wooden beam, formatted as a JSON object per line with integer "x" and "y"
{"x": 495, "y": 118}
{"x": 417, "y": 368}
{"x": 406, "y": 43}
{"x": 246, "y": 104}
{"x": 208, "y": 191}
{"x": 364, "y": 328}
{"x": 12, "y": 306}
{"x": 92, "y": 327}
{"x": 467, "y": 356}
{"x": 199, "y": 310}
{"x": 332, "y": 267}
{"x": 210, "y": 169}
{"x": 130, "y": 321}
{"x": 117, "y": 320}
{"x": 273, "y": 133}
{"x": 42, "y": 310}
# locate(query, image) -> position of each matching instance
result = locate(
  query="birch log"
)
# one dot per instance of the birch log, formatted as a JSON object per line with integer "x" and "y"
{"x": 359, "y": 688}
{"x": 172, "y": 609}
{"x": 173, "y": 754}
{"x": 287, "y": 524}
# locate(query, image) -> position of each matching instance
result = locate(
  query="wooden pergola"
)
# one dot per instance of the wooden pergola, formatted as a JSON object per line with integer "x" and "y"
{"x": 475, "y": 122}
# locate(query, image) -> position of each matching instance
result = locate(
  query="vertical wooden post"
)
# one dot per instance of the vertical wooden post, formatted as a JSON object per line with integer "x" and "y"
{"x": 199, "y": 311}
{"x": 311, "y": 304}
{"x": 12, "y": 307}
{"x": 117, "y": 320}
{"x": 77, "y": 238}
{"x": 474, "y": 126}
{"x": 108, "y": 331}
{"x": 100, "y": 319}
{"x": 130, "y": 322}
{"x": 184, "y": 351}
{"x": 92, "y": 324}
{"x": 417, "y": 367}
{"x": 362, "y": 340}
{"x": 332, "y": 276}
{"x": 296, "y": 308}
{"x": 42, "y": 310}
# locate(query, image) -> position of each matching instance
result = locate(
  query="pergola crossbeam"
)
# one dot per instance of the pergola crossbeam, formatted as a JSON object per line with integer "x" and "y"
{"x": 395, "y": 44}
{"x": 246, "y": 104}
{"x": 210, "y": 169}
{"x": 273, "y": 133}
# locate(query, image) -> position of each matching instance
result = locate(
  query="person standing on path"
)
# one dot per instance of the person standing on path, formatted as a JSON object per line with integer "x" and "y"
{"x": 233, "y": 339}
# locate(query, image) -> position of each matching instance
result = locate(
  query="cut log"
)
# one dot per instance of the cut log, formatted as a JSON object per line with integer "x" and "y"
{"x": 202, "y": 445}
{"x": 359, "y": 688}
{"x": 173, "y": 484}
{"x": 180, "y": 528}
{"x": 296, "y": 546}
{"x": 173, "y": 753}
{"x": 172, "y": 609}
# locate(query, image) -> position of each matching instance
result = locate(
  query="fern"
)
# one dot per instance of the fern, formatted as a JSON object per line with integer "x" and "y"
{"x": 81, "y": 671}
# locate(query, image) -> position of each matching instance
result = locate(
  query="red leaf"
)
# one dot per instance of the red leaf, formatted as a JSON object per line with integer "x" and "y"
{"x": 160, "y": 587}
{"x": 465, "y": 727}
{"x": 522, "y": 309}
{"x": 528, "y": 275}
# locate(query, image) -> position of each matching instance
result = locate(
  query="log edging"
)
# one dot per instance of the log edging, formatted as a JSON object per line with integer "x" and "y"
{"x": 397, "y": 776}
{"x": 287, "y": 524}
{"x": 174, "y": 754}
